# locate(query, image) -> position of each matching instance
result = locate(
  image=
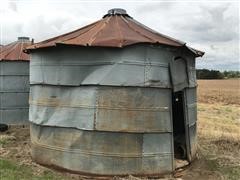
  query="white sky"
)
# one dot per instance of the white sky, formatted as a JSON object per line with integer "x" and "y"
{"x": 210, "y": 26}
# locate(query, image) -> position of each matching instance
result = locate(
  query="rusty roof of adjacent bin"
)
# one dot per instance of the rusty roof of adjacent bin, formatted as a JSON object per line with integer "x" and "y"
{"x": 115, "y": 29}
{"x": 14, "y": 50}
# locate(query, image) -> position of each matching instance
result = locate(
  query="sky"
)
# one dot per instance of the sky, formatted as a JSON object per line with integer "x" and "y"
{"x": 210, "y": 26}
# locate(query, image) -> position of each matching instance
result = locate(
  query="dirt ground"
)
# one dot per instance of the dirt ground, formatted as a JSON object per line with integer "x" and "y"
{"x": 218, "y": 136}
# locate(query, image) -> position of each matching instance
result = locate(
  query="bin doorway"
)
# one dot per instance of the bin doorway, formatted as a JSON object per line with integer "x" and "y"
{"x": 179, "y": 131}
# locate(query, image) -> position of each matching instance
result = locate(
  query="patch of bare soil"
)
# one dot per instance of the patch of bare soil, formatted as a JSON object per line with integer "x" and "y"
{"x": 198, "y": 170}
{"x": 15, "y": 146}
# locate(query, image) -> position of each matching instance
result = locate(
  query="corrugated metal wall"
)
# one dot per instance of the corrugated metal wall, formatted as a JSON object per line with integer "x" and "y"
{"x": 140, "y": 66}
{"x": 191, "y": 118}
{"x": 105, "y": 111}
{"x": 14, "y": 92}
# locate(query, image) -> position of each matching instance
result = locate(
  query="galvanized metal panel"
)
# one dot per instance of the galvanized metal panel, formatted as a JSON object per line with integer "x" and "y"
{"x": 191, "y": 119}
{"x": 192, "y": 77}
{"x": 192, "y": 114}
{"x": 16, "y": 68}
{"x": 102, "y": 69}
{"x": 102, "y": 153}
{"x": 63, "y": 106}
{"x": 178, "y": 69}
{"x": 157, "y": 142}
{"x": 102, "y": 108}
{"x": 191, "y": 70}
{"x": 191, "y": 100}
{"x": 133, "y": 109}
{"x": 13, "y": 100}
{"x": 86, "y": 55}
{"x": 14, "y": 92}
{"x": 157, "y": 53}
{"x": 193, "y": 139}
{"x": 14, "y": 116}
{"x": 14, "y": 83}
{"x": 157, "y": 75}
{"x": 87, "y": 141}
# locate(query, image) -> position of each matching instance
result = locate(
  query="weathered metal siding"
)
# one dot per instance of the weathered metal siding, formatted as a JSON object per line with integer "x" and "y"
{"x": 190, "y": 94}
{"x": 103, "y": 108}
{"x": 102, "y": 111}
{"x": 183, "y": 78}
{"x": 140, "y": 65}
{"x": 108, "y": 111}
{"x": 191, "y": 118}
{"x": 14, "y": 92}
{"x": 102, "y": 153}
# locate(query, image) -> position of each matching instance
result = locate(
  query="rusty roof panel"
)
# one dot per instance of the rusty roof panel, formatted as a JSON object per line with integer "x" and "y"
{"x": 14, "y": 51}
{"x": 115, "y": 29}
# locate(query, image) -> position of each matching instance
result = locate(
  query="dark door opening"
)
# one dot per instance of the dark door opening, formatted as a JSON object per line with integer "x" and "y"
{"x": 179, "y": 134}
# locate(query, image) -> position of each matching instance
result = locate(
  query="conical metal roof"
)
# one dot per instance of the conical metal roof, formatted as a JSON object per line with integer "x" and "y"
{"x": 115, "y": 29}
{"x": 14, "y": 50}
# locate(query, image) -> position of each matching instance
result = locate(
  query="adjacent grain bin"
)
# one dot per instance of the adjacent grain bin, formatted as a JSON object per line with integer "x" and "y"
{"x": 113, "y": 98}
{"x": 14, "y": 82}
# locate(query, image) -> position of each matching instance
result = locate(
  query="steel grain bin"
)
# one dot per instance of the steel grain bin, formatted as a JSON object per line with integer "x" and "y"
{"x": 113, "y": 98}
{"x": 14, "y": 82}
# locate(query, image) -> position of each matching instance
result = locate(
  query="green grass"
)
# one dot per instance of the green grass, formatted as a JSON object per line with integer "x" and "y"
{"x": 3, "y": 141}
{"x": 12, "y": 171}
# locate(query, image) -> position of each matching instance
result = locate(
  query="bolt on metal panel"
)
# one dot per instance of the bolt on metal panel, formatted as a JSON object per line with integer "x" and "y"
{"x": 130, "y": 109}
{"x": 16, "y": 116}
{"x": 14, "y": 83}
{"x": 16, "y": 68}
{"x": 178, "y": 69}
{"x": 193, "y": 139}
{"x": 191, "y": 119}
{"x": 77, "y": 69}
{"x": 13, "y": 100}
{"x": 191, "y": 100}
{"x": 102, "y": 153}
{"x": 191, "y": 68}
{"x": 14, "y": 92}
{"x": 63, "y": 106}
{"x": 133, "y": 109}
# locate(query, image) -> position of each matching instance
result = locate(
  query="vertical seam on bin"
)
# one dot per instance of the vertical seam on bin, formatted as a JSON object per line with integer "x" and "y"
{"x": 42, "y": 73}
{"x": 95, "y": 110}
{"x": 142, "y": 159}
{"x": 145, "y": 59}
{"x": 187, "y": 126}
{"x": 148, "y": 67}
{"x": 172, "y": 138}
{"x": 59, "y": 73}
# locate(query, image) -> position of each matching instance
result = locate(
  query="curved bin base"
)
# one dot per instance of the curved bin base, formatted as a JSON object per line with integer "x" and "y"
{"x": 100, "y": 153}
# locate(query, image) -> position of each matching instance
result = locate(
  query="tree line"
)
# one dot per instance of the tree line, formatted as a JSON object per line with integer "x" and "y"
{"x": 215, "y": 74}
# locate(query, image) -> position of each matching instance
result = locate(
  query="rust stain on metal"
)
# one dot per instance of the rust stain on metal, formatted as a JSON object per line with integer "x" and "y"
{"x": 14, "y": 51}
{"x": 113, "y": 30}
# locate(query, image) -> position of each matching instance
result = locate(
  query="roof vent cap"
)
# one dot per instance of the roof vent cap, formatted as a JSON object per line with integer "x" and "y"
{"x": 117, "y": 11}
{"x": 23, "y": 38}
